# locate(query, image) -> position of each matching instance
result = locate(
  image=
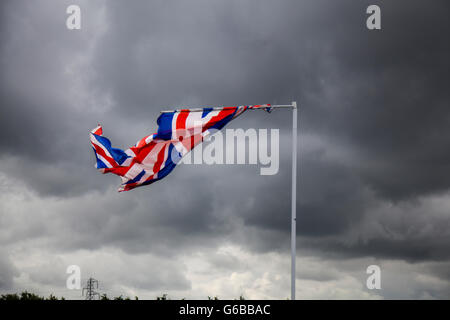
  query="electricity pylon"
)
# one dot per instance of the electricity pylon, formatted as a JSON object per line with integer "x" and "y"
{"x": 90, "y": 293}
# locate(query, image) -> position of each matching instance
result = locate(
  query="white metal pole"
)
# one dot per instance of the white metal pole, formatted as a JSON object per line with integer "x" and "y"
{"x": 276, "y": 106}
{"x": 294, "y": 181}
{"x": 293, "y": 197}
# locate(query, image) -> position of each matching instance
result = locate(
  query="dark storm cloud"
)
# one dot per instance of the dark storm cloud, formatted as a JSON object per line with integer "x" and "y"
{"x": 373, "y": 121}
{"x": 44, "y": 111}
{"x": 391, "y": 100}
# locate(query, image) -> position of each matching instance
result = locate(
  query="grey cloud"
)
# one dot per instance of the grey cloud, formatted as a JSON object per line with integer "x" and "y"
{"x": 8, "y": 272}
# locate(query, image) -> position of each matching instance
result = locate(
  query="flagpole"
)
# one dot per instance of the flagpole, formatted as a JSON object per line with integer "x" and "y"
{"x": 292, "y": 106}
{"x": 276, "y": 106}
{"x": 293, "y": 197}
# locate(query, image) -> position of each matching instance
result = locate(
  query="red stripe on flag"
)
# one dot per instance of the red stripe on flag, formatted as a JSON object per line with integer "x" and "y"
{"x": 120, "y": 171}
{"x": 141, "y": 153}
{"x": 142, "y": 142}
{"x": 220, "y": 116}
{"x": 100, "y": 151}
{"x": 98, "y": 131}
{"x": 192, "y": 142}
{"x": 160, "y": 159}
{"x": 181, "y": 119}
{"x": 181, "y": 123}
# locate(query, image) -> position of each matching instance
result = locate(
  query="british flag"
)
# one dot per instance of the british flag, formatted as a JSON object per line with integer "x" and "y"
{"x": 155, "y": 156}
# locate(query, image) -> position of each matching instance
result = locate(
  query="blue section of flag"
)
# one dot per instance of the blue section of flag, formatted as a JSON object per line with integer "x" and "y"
{"x": 165, "y": 126}
{"x": 136, "y": 179}
{"x": 206, "y": 111}
{"x": 118, "y": 154}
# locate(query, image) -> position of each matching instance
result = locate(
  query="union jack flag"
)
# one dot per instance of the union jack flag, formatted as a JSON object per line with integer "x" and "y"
{"x": 156, "y": 155}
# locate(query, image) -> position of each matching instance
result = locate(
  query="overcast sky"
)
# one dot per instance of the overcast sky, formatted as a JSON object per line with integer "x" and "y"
{"x": 374, "y": 148}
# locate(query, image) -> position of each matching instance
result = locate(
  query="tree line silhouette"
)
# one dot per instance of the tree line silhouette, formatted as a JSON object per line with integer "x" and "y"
{"x": 25, "y": 295}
